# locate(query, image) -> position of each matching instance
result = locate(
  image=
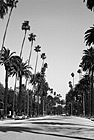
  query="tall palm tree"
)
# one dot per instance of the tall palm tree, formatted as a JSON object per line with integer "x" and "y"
{"x": 31, "y": 38}
{"x": 9, "y": 61}
{"x": 71, "y": 95}
{"x": 72, "y": 74}
{"x": 41, "y": 90}
{"x": 37, "y": 50}
{"x": 43, "y": 69}
{"x": 79, "y": 72}
{"x": 25, "y": 27}
{"x": 11, "y": 4}
{"x": 84, "y": 87}
{"x": 87, "y": 64}
{"x": 82, "y": 92}
{"x": 89, "y": 4}
{"x": 70, "y": 84}
{"x": 43, "y": 57}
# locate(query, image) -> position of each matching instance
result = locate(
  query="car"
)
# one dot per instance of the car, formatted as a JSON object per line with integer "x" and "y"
{"x": 63, "y": 114}
{"x": 20, "y": 117}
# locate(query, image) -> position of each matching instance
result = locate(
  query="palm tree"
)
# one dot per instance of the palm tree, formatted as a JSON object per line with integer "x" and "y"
{"x": 9, "y": 61}
{"x": 79, "y": 72}
{"x": 71, "y": 95}
{"x": 43, "y": 57}
{"x": 41, "y": 90}
{"x": 70, "y": 84}
{"x": 87, "y": 64}
{"x": 25, "y": 27}
{"x": 37, "y": 50}
{"x": 70, "y": 99}
{"x": 11, "y": 4}
{"x": 89, "y": 4}
{"x": 82, "y": 92}
{"x": 84, "y": 87}
{"x": 23, "y": 71}
{"x": 45, "y": 88}
{"x": 31, "y": 38}
{"x": 72, "y": 74}
{"x": 43, "y": 69}
{"x": 89, "y": 36}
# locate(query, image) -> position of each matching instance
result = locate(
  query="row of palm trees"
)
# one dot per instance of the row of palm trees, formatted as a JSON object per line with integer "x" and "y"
{"x": 14, "y": 66}
{"x": 80, "y": 99}
{"x": 85, "y": 87}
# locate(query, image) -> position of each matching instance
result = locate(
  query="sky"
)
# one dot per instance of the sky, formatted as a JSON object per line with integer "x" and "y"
{"x": 59, "y": 26}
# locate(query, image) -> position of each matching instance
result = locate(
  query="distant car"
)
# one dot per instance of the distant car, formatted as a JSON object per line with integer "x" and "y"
{"x": 63, "y": 114}
{"x": 20, "y": 117}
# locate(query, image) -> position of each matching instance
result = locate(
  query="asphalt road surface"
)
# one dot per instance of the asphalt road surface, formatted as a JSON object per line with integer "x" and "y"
{"x": 48, "y": 128}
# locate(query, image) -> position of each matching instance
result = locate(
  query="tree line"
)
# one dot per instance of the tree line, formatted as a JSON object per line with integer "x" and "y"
{"x": 80, "y": 98}
{"x": 38, "y": 100}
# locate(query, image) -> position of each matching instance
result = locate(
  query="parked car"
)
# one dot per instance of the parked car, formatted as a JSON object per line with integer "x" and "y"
{"x": 20, "y": 117}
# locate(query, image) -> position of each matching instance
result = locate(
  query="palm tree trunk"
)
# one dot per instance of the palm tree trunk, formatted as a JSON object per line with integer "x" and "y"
{"x": 29, "y": 59}
{"x": 6, "y": 27}
{"x": 14, "y": 94}
{"x": 23, "y": 43}
{"x": 71, "y": 106}
{"x": 21, "y": 77}
{"x": 20, "y": 95}
{"x": 31, "y": 114}
{"x": 73, "y": 82}
{"x": 35, "y": 75}
{"x": 5, "y": 96}
{"x": 37, "y": 105}
{"x": 83, "y": 105}
{"x": 42, "y": 105}
{"x": 27, "y": 103}
{"x": 27, "y": 79}
{"x": 42, "y": 64}
{"x": 36, "y": 64}
{"x": 30, "y": 52}
{"x": 92, "y": 96}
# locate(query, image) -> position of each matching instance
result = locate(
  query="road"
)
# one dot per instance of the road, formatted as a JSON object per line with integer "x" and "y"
{"x": 48, "y": 128}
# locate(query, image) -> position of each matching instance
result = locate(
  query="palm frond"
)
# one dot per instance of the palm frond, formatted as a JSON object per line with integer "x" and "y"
{"x": 89, "y": 36}
{"x": 87, "y": 59}
{"x": 3, "y": 8}
{"x": 89, "y": 4}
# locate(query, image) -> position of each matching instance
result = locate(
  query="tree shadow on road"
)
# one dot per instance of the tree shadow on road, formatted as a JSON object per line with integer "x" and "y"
{"x": 37, "y": 131}
{"x": 59, "y": 123}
